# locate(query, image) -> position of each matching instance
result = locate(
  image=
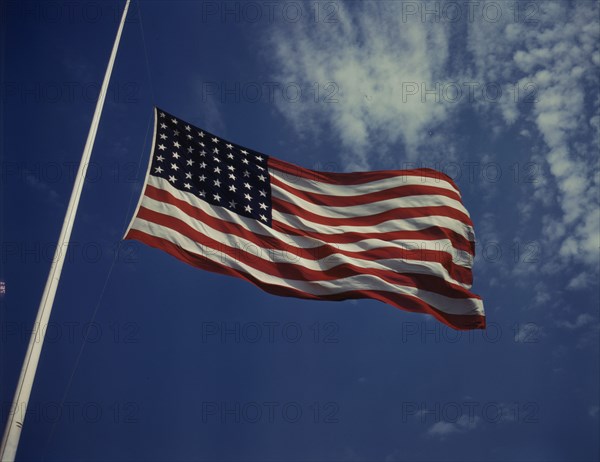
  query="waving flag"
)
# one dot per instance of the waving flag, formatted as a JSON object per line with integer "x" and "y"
{"x": 399, "y": 236}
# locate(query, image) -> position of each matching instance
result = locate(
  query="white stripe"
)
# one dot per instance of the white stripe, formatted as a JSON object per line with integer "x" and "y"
{"x": 330, "y": 189}
{"x": 373, "y": 208}
{"x": 467, "y": 306}
{"x": 266, "y": 252}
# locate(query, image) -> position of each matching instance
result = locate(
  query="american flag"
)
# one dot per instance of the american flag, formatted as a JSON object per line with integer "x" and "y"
{"x": 399, "y": 236}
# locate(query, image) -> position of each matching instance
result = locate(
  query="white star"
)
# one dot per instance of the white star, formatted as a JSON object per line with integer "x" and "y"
{"x": 201, "y": 193}
{"x": 174, "y": 121}
{"x": 188, "y": 176}
{"x": 176, "y": 155}
{"x": 263, "y": 206}
{"x": 217, "y": 170}
{"x": 243, "y": 151}
{"x": 215, "y": 140}
{"x": 202, "y": 165}
{"x": 176, "y": 144}
{"x": 217, "y": 197}
{"x": 176, "y": 132}
{"x": 163, "y": 125}
{"x": 163, "y": 136}
{"x": 229, "y": 146}
{"x": 188, "y": 136}
{"x": 203, "y": 153}
{"x": 201, "y": 134}
{"x": 190, "y": 162}
{"x": 262, "y": 217}
{"x": 263, "y": 193}
{"x": 162, "y": 147}
{"x": 247, "y": 186}
{"x": 232, "y": 188}
{"x": 160, "y": 158}
{"x": 216, "y": 159}
{"x": 174, "y": 167}
{"x": 201, "y": 144}
{"x": 262, "y": 177}
{"x": 232, "y": 204}
{"x": 172, "y": 178}
{"x": 216, "y": 151}
{"x": 230, "y": 156}
{"x": 246, "y": 173}
{"x": 259, "y": 158}
{"x": 187, "y": 186}
{"x": 162, "y": 114}
{"x": 232, "y": 176}
{"x": 245, "y": 161}
{"x": 231, "y": 167}
{"x": 217, "y": 183}
{"x": 188, "y": 128}
{"x": 190, "y": 149}
{"x": 259, "y": 167}
{"x": 158, "y": 169}
{"x": 202, "y": 177}
{"x": 247, "y": 197}
{"x": 248, "y": 208}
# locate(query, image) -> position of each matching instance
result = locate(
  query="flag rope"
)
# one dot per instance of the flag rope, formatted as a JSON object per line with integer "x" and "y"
{"x": 146, "y": 52}
{"x": 105, "y": 285}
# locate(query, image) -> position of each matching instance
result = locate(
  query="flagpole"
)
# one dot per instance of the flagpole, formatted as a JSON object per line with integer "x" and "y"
{"x": 14, "y": 424}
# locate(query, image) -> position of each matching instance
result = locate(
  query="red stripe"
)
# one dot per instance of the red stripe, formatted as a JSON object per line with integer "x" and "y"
{"x": 457, "y": 272}
{"x": 371, "y": 220}
{"x": 355, "y": 177}
{"x": 404, "y": 302}
{"x": 292, "y": 271}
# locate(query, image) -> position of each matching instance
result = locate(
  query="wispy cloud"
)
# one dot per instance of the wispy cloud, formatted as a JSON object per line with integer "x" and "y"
{"x": 557, "y": 56}
{"x": 587, "y": 329}
{"x": 582, "y": 320}
{"x": 463, "y": 424}
{"x": 581, "y": 281}
{"x": 528, "y": 333}
{"x": 376, "y": 60}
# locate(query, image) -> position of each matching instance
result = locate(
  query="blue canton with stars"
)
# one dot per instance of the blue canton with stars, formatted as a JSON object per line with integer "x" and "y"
{"x": 211, "y": 168}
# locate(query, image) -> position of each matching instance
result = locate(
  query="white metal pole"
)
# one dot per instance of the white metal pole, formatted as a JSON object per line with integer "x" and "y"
{"x": 12, "y": 432}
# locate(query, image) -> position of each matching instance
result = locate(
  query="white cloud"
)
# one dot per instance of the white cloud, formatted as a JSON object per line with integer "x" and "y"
{"x": 443, "y": 429}
{"x": 587, "y": 327}
{"x": 581, "y": 281}
{"x": 558, "y": 58}
{"x": 541, "y": 295}
{"x": 528, "y": 333}
{"x": 376, "y": 60}
{"x": 582, "y": 320}
{"x": 463, "y": 424}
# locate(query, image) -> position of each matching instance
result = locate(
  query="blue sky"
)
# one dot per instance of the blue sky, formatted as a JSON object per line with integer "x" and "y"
{"x": 180, "y": 364}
